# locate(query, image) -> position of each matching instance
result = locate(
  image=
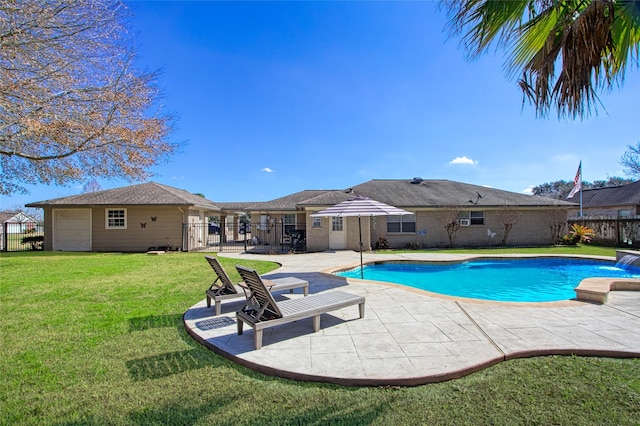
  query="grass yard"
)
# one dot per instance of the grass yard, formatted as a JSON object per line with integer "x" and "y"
{"x": 93, "y": 339}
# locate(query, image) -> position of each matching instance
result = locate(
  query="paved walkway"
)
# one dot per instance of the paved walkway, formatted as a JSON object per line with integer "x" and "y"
{"x": 410, "y": 337}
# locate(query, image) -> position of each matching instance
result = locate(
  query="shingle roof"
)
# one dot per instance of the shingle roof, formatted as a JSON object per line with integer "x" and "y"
{"x": 15, "y": 216}
{"x": 150, "y": 193}
{"x": 328, "y": 198}
{"x": 406, "y": 193}
{"x": 286, "y": 203}
{"x": 234, "y": 206}
{"x": 623, "y": 195}
{"x": 443, "y": 193}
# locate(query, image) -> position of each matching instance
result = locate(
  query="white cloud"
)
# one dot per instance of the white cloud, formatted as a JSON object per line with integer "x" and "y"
{"x": 529, "y": 190}
{"x": 463, "y": 160}
{"x": 267, "y": 170}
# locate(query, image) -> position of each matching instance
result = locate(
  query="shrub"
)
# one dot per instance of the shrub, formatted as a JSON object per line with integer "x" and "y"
{"x": 582, "y": 234}
{"x": 569, "y": 240}
{"x": 382, "y": 244}
{"x": 37, "y": 242}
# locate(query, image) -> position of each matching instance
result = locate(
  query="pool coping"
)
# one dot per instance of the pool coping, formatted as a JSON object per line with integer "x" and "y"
{"x": 489, "y": 319}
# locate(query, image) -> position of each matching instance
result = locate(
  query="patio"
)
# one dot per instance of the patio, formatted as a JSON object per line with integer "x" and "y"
{"x": 409, "y": 337}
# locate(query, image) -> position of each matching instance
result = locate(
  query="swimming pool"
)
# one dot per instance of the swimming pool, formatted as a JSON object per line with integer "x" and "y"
{"x": 505, "y": 280}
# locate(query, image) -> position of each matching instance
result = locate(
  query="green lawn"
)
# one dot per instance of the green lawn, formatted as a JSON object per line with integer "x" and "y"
{"x": 98, "y": 339}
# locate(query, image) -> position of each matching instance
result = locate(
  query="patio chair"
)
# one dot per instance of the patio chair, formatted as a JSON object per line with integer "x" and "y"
{"x": 223, "y": 288}
{"x": 261, "y": 311}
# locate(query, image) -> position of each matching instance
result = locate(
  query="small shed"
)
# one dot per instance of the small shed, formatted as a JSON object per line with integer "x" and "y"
{"x": 134, "y": 218}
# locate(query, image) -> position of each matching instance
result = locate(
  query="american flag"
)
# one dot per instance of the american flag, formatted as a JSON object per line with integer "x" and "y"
{"x": 577, "y": 182}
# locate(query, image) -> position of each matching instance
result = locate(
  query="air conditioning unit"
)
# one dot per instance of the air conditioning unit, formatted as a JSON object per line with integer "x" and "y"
{"x": 464, "y": 222}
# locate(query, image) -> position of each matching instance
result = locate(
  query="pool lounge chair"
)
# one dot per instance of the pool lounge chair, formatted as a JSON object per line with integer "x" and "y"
{"x": 223, "y": 288}
{"x": 261, "y": 311}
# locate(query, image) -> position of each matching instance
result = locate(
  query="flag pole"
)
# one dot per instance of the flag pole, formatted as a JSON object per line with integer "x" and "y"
{"x": 577, "y": 187}
{"x": 581, "y": 189}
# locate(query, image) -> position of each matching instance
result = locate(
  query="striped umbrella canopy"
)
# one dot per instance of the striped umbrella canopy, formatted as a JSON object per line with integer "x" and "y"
{"x": 361, "y": 206}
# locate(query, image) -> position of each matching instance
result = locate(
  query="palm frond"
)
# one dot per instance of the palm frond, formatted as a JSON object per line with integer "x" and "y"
{"x": 565, "y": 51}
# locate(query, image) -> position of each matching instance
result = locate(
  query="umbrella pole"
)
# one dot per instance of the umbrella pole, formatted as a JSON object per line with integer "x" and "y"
{"x": 360, "y": 234}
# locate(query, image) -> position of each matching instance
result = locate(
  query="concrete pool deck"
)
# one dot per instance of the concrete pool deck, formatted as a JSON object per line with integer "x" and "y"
{"x": 408, "y": 336}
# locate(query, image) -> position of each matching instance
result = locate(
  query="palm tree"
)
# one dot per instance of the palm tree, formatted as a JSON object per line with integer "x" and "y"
{"x": 591, "y": 41}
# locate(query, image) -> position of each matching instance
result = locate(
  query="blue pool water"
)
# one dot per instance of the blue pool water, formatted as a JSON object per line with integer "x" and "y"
{"x": 506, "y": 280}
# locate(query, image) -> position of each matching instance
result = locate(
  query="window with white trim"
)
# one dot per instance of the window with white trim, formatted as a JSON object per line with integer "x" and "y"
{"x": 474, "y": 217}
{"x": 406, "y": 223}
{"x": 316, "y": 222}
{"x": 116, "y": 218}
{"x": 336, "y": 223}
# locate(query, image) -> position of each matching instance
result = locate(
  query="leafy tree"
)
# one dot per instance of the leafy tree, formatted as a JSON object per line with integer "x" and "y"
{"x": 72, "y": 104}
{"x": 631, "y": 160}
{"x": 558, "y": 189}
{"x": 561, "y": 188}
{"x": 591, "y": 41}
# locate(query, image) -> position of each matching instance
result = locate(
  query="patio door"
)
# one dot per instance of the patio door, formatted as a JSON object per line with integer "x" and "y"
{"x": 338, "y": 233}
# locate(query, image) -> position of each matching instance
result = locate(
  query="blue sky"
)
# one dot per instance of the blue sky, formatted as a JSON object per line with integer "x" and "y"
{"x": 275, "y": 98}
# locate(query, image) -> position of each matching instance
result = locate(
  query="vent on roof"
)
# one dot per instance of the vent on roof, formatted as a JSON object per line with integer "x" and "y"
{"x": 416, "y": 180}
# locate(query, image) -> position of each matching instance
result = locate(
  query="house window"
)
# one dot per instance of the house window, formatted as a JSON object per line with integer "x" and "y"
{"x": 336, "y": 223}
{"x": 624, "y": 213}
{"x": 289, "y": 222}
{"x": 116, "y": 218}
{"x": 263, "y": 222}
{"x": 316, "y": 222}
{"x": 474, "y": 217}
{"x": 405, "y": 223}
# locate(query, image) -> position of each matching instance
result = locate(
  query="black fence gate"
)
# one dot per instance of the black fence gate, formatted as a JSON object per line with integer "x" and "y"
{"x": 17, "y": 236}
{"x": 250, "y": 238}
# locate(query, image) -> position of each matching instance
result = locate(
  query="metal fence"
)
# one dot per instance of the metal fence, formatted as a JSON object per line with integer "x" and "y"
{"x": 22, "y": 236}
{"x": 249, "y": 238}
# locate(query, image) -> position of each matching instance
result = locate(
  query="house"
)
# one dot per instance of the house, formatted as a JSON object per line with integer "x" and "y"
{"x": 612, "y": 202}
{"x": 272, "y": 222}
{"x": 134, "y": 218}
{"x": 612, "y": 212}
{"x": 17, "y": 222}
{"x": 446, "y": 213}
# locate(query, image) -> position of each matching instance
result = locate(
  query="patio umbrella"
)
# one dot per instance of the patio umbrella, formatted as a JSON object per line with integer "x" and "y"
{"x": 361, "y": 206}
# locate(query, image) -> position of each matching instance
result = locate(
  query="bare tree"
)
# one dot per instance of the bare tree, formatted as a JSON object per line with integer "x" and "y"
{"x": 448, "y": 217}
{"x": 507, "y": 216}
{"x": 72, "y": 104}
{"x": 92, "y": 185}
{"x": 557, "y": 222}
{"x": 631, "y": 160}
